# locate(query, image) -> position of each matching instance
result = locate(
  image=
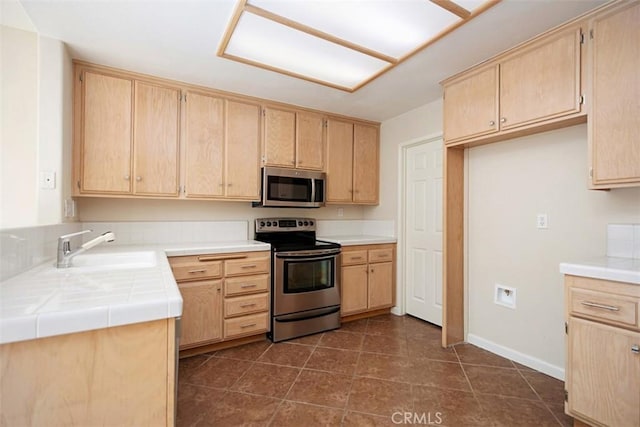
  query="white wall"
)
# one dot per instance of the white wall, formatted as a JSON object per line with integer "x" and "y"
{"x": 55, "y": 121}
{"x": 37, "y": 80}
{"x": 19, "y": 144}
{"x": 508, "y": 184}
{"x": 420, "y": 122}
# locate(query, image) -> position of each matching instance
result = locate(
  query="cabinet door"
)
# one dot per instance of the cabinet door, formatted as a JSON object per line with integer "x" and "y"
{"x": 156, "y": 118}
{"x": 279, "y": 137}
{"x": 339, "y": 161}
{"x": 243, "y": 151}
{"x": 309, "y": 141}
{"x": 603, "y": 373}
{"x": 354, "y": 289}
{"x": 204, "y": 146}
{"x": 542, "y": 82}
{"x": 471, "y": 105}
{"x": 201, "y": 312}
{"x": 616, "y": 89}
{"x": 365, "y": 164}
{"x": 380, "y": 285}
{"x": 106, "y": 134}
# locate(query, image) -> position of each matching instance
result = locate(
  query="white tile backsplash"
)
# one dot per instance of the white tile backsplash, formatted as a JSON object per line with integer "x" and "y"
{"x": 24, "y": 248}
{"x": 623, "y": 240}
{"x": 355, "y": 227}
{"x": 150, "y": 233}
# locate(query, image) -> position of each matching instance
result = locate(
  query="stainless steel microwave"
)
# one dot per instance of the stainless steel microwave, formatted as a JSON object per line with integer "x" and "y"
{"x": 292, "y": 188}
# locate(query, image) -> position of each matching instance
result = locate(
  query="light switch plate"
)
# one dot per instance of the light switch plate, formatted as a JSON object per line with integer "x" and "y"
{"x": 47, "y": 180}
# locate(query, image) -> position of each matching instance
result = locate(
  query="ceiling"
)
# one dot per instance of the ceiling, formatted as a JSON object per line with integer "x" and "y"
{"x": 179, "y": 39}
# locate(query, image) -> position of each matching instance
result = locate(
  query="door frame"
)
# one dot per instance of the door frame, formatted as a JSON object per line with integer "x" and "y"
{"x": 401, "y": 288}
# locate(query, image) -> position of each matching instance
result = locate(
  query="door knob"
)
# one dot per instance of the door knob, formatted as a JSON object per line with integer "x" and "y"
{"x": 126, "y": 177}
{"x": 635, "y": 348}
{"x": 503, "y": 120}
{"x": 492, "y": 123}
{"x": 138, "y": 178}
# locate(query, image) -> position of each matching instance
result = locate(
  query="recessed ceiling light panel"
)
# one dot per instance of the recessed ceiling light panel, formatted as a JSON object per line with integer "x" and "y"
{"x": 263, "y": 41}
{"x": 391, "y": 27}
{"x": 343, "y": 44}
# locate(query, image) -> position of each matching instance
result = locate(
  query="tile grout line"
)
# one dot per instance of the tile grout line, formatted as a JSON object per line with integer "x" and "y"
{"x": 284, "y": 398}
{"x": 539, "y": 397}
{"x": 353, "y": 377}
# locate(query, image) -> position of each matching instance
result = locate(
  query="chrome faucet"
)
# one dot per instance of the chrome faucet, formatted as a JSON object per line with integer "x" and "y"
{"x": 65, "y": 254}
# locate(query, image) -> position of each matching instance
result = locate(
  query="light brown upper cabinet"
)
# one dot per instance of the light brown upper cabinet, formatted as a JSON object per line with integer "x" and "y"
{"x": 529, "y": 86}
{"x": 310, "y": 140}
{"x": 156, "y": 139}
{"x": 279, "y": 137}
{"x": 352, "y": 162}
{"x": 242, "y": 165}
{"x": 471, "y": 105}
{"x": 614, "y": 119}
{"x": 105, "y": 136}
{"x": 128, "y": 139}
{"x": 293, "y": 139}
{"x": 222, "y": 148}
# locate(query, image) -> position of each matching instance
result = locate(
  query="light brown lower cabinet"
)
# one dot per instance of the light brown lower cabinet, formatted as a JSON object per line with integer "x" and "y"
{"x": 603, "y": 352}
{"x": 368, "y": 278}
{"x": 120, "y": 376}
{"x": 225, "y": 296}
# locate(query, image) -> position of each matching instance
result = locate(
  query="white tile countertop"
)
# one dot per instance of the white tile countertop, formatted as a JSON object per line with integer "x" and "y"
{"x": 607, "y": 268}
{"x": 358, "y": 239}
{"x": 47, "y": 301}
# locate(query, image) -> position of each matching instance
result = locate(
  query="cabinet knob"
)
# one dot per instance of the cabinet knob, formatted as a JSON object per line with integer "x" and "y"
{"x": 127, "y": 177}
{"x": 635, "y": 348}
{"x": 138, "y": 178}
{"x": 503, "y": 120}
{"x": 492, "y": 122}
{"x": 229, "y": 185}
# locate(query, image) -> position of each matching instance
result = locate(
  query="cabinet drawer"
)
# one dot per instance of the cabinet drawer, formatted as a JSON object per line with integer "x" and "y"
{"x": 196, "y": 270}
{"x": 238, "y": 267}
{"x": 246, "y": 325}
{"x": 246, "y": 304}
{"x": 381, "y": 255}
{"x": 246, "y": 285}
{"x": 354, "y": 257}
{"x": 608, "y": 307}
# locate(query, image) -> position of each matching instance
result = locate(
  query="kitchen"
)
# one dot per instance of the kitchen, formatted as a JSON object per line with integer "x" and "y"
{"x": 497, "y": 230}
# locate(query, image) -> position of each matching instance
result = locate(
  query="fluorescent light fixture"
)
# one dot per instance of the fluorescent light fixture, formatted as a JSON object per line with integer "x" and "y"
{"x": 343, "y": 44}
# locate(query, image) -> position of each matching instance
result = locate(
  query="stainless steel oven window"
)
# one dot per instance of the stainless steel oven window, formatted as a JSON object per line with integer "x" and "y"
{"x": 308, "y": 276}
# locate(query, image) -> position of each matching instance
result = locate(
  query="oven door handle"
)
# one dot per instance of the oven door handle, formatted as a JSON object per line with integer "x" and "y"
{"x": 308, "y": 254}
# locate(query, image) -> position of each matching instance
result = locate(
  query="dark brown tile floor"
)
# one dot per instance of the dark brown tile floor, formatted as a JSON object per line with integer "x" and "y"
{"x": 369, "y": 373}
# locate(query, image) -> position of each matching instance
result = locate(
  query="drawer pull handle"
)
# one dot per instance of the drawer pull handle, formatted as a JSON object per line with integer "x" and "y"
{"x": 197, "y": 271}
{"x": 357, "y": 257}
{"x": 602, "y": 306}
{"x": 383, "y": 255}
{"x": 248, "y": 286}
{"x": 249, "y": 266}
{"x": 248, "y": 326}
{"x": 205, "y": 258}
{"x": 247, "y": 305}
{"x": 635, "y": 348}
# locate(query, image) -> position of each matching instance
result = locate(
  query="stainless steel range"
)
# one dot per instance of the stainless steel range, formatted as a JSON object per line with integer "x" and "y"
{"x": 305, "y": 278}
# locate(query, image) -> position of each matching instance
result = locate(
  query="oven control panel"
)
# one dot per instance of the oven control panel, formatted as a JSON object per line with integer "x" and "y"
{"x": 285, "y": 224}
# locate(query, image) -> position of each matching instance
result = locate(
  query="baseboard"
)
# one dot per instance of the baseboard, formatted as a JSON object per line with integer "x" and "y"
{"x": 516, "y": 356}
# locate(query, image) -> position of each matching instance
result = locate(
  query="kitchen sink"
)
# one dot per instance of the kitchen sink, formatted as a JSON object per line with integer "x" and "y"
{"x": 113, "y": 261}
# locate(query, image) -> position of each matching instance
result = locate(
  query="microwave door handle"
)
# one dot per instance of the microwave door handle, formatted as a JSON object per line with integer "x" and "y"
{"x": 313, "y": 190}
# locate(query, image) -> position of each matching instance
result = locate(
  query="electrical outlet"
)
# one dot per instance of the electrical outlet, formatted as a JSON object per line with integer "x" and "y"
{"x": 340, "y": 212}
{"x": 69, "y": 208}
{"x": 505, "y": 296}
{"x": 542, "y": 221}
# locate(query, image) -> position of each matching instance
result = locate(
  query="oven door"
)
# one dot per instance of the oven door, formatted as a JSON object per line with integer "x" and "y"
{"x": 306, "y": 280}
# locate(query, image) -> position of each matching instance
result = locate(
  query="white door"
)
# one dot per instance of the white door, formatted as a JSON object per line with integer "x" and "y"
{"x": 423, "y": 228}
